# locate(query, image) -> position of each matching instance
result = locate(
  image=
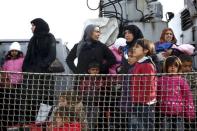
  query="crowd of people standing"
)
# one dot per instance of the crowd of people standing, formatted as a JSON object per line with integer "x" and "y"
{"x": 141, "y": 100}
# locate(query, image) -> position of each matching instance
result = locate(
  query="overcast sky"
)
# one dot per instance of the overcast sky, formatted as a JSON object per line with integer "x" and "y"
{"x": 65, "y": 17}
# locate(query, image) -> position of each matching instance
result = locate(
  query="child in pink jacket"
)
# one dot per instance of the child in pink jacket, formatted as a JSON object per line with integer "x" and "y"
{"x": 13, "y": 62}
{"x": 174, "y": 97}
{"x": 12, "y": 87}
{"x": 116, "y": 50}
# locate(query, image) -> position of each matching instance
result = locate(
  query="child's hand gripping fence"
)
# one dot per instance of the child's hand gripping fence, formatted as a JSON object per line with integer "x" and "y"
{"x": 58, "y": 102}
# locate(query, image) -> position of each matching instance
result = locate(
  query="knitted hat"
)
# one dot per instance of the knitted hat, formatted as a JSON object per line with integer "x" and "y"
{"x": 15, "y": 46}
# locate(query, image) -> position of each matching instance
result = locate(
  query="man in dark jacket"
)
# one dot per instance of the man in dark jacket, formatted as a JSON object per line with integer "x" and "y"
{"x": 41, "y": 53}
{"x": 89, "y": 49}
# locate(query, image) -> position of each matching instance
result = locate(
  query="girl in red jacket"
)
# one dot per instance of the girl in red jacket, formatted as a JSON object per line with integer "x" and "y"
{"x": 174, "y": 97}
{"x": 65, "y": 120}
{"x": 143, "y": 87}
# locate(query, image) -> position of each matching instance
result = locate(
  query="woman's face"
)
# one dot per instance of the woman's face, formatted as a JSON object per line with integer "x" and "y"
{"x": 33, "y": 27}
{"x": 168, "y": 36}
{"x": 14, "y": 53}
{"x": 128, "y": 36}
{"x": 96, "y": 34}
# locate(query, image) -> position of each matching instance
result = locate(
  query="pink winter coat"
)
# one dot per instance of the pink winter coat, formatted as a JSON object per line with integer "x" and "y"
{"x": 15, "y": 66}
{"x": 120, "y": 42}
{"x": 174, "y": 97}
{"x": 118, "y": 55}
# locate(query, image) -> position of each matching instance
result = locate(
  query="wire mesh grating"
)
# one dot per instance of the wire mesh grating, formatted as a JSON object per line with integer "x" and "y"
{"x": 60, "y": 102}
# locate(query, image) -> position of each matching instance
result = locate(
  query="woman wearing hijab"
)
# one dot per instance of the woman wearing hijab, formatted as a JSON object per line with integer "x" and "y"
{"x": 90, "y": 49}
{"x": 41, "y": 53}
{"x": 131, "y": 33}
{"x": 41, "y": 50}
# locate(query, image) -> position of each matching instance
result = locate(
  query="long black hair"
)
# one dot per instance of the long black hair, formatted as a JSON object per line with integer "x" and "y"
{"x": 9, "y": 56}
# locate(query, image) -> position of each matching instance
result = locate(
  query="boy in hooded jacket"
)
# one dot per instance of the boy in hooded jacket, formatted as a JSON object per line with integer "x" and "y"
{"x": 95, "y": 96}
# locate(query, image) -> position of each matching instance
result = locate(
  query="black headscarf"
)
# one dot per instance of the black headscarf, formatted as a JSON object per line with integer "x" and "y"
{"x": 137, "y": 33}
{"x": 86, "y": 39}
{"x": 41, "y": 51}
{"x": 42, "y": 26}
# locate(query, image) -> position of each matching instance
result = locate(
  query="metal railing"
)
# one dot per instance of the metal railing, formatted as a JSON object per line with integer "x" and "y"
{"x": 97, "y": 102}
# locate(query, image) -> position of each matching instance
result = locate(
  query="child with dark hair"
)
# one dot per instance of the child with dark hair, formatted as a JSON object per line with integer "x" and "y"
{"x": 187, "y": 68}
{"x": 125, "y": 99}
{"x": 95, "y": 94}
{"x": 191, "y": 78}
{"x": 89, "y": 90}
{"x": 174, "y": 97}
{"x": 186, "y": 63}
{"x": 94, "y": 68}
{"x": 143, "y": 87}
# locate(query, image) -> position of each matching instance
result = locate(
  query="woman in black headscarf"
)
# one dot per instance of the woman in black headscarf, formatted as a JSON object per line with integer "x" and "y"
{"x": 38, "y": 88}
{"x": 41, "y": 49}
{"x": 131, "y": 33}
{"x": 90, "y": 49}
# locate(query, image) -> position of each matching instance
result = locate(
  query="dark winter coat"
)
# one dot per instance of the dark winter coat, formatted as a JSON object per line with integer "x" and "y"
{"x": 41, "y": 50}
{"x": 95, "y": 52}
{"x": 88, "y": 51}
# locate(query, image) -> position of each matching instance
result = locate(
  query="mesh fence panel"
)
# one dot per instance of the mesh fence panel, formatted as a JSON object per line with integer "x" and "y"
{"x": 58, "y": 102}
